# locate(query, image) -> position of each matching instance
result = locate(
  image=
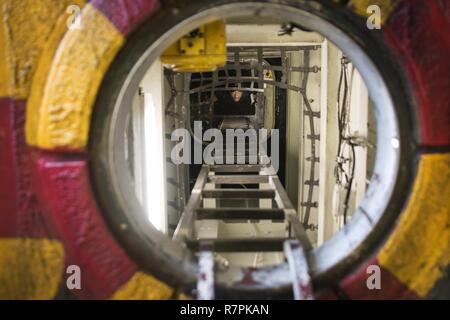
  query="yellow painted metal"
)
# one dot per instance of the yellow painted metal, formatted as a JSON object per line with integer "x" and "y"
{"x": 143, "y": 287}
{"x": 60, "y": 107}
{"x": 30, "y": 268}
{"x": 24, "y": 30}
{"x": 201, "y": 50}
{"x": 6, "y": 71}
{"x": 418, "y": 251}
{"x": 41, "y": 75}
{"x": 193, "y": 44}
{"x": 183, "y": 296}
{"x": 386, "y": 7}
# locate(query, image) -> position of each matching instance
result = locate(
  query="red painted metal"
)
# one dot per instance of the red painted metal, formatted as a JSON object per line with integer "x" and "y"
{"x": 20, "y": 212}
{"x": 126, "y": 15}
{"x": 355, "y": 285}
{"x": 67, "y": 196}
{"x": 328, "y": 294}
{"x": 418, "y": 32}
{"x": 48, "y": 195}
{"x": 8, "y": 170}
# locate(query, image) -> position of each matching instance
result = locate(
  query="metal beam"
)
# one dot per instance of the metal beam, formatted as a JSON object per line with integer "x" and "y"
{"x": 185, "y": 227}
{"x": 299, "y": 267}
{"x": 205, "y": 278}
{"x": 283, "y": 202}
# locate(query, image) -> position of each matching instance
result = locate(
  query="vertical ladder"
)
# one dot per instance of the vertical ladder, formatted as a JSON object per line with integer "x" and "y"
{"x": 296, "y": 246}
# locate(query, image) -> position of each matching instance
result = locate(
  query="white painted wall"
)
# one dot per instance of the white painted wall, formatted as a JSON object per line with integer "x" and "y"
{"x": 294, "y": 129}
{"x": 359, "y": 128}
{"x": 313, "y": 90}
{"x": 332, "y": 195}
{"x": 267, "y": 33}
{"x": 328, "y": 148}
{"x": 149, "y": 166}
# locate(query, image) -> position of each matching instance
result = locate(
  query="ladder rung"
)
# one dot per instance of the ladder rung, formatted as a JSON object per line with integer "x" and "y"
{"x": 239, "y": 214}
{"x": 312, "y": 183}
{"x": 238, "y": 147}
{"x": 245, "y": 152}
{"x": 239, "y": 193}
{"x": 238, "y": 179}
{"x": 237, "y": 168}
{"x": 315, "y": 136}
{"x": 240, "y": 244}
{"x": 312, "y": 113}
{"x": 310, "y": 204}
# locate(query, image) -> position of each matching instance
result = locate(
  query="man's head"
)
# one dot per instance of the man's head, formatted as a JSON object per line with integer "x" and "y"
{"x": 236, "y": 95}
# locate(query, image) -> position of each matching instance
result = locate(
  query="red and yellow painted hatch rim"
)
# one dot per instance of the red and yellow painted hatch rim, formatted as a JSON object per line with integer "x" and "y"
{"x": 53, "y": 76}
{"x": 64, "y": 70}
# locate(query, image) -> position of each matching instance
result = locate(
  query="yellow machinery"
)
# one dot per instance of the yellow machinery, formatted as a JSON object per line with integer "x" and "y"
{"x": 203, "y": 49}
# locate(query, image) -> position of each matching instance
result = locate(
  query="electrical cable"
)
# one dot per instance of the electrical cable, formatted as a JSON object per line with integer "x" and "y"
{"x": 342, "y": 119}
